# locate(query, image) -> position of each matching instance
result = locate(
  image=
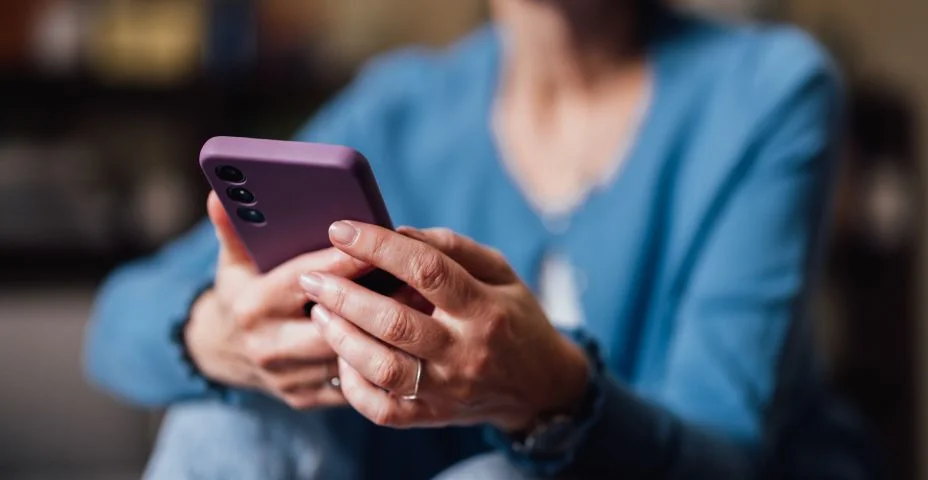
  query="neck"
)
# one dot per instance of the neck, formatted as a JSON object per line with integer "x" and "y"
{"x": 568, "y": 46}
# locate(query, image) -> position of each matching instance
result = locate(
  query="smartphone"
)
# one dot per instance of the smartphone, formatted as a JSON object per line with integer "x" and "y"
{"x": 283, "y": 196}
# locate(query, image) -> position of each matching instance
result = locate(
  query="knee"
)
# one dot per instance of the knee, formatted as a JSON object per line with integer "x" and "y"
{"x": 213, "y": 440}
{"x": 263, "y": 440}
{"x": 491, "y": 466}
{"x": 209, "y": 430}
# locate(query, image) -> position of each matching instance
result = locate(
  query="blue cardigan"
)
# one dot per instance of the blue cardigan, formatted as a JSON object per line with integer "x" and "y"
{"x": 697, "y": 258}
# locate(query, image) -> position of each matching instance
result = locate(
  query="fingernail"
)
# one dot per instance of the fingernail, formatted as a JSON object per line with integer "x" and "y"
{"x": 343, "y": 233}
{"x": 321, "y": 314}
{"x": 311, "y": 283}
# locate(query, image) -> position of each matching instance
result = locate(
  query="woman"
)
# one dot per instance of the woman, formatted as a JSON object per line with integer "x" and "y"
{"x": 658, "y": 181}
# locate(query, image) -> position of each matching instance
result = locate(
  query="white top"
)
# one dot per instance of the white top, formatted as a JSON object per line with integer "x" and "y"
{"x": 559, "y": 292}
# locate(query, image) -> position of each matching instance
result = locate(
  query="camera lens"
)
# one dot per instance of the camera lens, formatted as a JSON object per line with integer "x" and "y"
{"x": 241, "y": 195}
{"x": 230, "y": 174}
{"x": 250, "y": 215}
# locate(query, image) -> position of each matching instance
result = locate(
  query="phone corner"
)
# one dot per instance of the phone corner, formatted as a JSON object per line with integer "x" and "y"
{"x": 212, "y": 148}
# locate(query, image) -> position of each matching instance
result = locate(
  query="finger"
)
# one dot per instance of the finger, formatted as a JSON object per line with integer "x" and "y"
{"x": 484, "y": 263}
{"x": 375, "y": 404}
{"x": 384, "y": 318}
{"x": 438, "y": 278}
{"x": 329, "y": 260}
{"x": 410, "y": 297}
{"x": 290, "y": 365}
{"x": 298, "y": 378}
{"x": 272, "y": 345}
{"x": 232, "y": 251}
{"x": 381, "y": 365}
{"x": 320, "y": 396}
{"x": 279, "y": 291}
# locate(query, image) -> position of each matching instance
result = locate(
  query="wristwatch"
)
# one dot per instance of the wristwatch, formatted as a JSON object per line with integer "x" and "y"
{"x": 550, "y": 437}
{"x": 558, "y": 434}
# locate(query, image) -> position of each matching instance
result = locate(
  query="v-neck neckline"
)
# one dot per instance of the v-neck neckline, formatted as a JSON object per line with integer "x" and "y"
{"x": 627, "y": 154}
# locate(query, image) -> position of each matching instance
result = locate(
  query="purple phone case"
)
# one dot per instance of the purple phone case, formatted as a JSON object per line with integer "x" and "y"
{"x": 302, "y": 188}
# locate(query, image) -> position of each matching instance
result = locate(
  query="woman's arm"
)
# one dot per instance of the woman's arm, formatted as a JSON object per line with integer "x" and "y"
{"x": 746, "y": 290}
{"x": 129, "y": 349}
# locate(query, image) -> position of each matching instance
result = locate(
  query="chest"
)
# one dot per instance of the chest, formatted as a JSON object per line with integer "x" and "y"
{"x": 556, "y": 155}
{"x": 612, "y": 242}
{"x": 625, "y": 243}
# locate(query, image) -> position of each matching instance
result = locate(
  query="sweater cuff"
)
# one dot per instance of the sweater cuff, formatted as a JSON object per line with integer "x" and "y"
{"x": 179, "y": 343}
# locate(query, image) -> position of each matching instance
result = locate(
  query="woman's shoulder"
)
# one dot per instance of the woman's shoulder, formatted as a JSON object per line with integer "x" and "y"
{"x": 406, "y": 105}
{"x": 764, "y": 96}
{"x": 760, "y": 61}
{"x": 393, "y": 92}
{"x": 405, "y": 75}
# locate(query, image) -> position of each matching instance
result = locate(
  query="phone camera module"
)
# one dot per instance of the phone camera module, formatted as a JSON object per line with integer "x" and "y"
{"x": 251, "y": 215}
{"x": 241, "y": 195}
{"x": 230, "y": 174}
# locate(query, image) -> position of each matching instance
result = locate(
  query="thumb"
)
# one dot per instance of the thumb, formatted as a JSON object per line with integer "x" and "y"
{"x": 232, "y": 251}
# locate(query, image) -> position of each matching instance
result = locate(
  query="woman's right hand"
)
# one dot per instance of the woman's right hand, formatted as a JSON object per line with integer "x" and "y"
{"x": 250, "y": 330}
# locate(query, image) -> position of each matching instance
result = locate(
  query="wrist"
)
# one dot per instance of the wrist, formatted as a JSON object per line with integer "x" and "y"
{"x": 200, "y": 336}
{"x": 571, "y": 379}
{"x": 189, "y": 341}
{"x": 563, "y": 392}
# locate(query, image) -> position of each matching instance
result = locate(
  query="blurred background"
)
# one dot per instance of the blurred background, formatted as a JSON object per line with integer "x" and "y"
{"x": 104, "y": 105}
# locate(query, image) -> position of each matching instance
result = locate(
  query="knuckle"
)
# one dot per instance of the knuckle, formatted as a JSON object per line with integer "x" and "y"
{"x": 262, "y": 357}
{"x": 467, "y": 394}
{"x": 397, "y": 327}
{"x": 338, "y": 337}
{"x": 498, "y": 258}
{"x": 440, "y": 340}
{"x": 478, "y": 365}
{"x": 378, "y": 246}
{"x": 495, "y": 319}
{"x": 429, "y": 272}
{"x": 246, "y": 310}
{"x": 339, "y": 297}
{"x": 278, "y": 385}
{"x": 224, "y": 294}
{"x": 388, "y": 373}
{"x": 445, "y": 237}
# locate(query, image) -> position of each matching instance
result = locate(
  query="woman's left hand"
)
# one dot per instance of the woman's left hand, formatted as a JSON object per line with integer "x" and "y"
{"x": 488, "y": 353}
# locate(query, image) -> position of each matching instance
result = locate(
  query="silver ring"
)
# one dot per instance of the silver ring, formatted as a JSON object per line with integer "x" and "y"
{"x": 415, "y": 391}
{"x": 333, "y": 380}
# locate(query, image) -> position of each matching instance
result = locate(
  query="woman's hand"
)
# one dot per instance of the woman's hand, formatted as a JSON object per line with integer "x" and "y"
{"x": 489, "y": 354}
{"x": 251, "y": 331}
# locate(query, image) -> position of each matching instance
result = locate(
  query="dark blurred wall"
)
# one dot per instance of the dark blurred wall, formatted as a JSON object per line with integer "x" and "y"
{"x": 104, "y": 105}
{"x": 878, "y": 266}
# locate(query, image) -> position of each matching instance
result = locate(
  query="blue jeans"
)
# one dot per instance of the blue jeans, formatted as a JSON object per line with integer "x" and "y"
{"x": 212, "y": 440}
